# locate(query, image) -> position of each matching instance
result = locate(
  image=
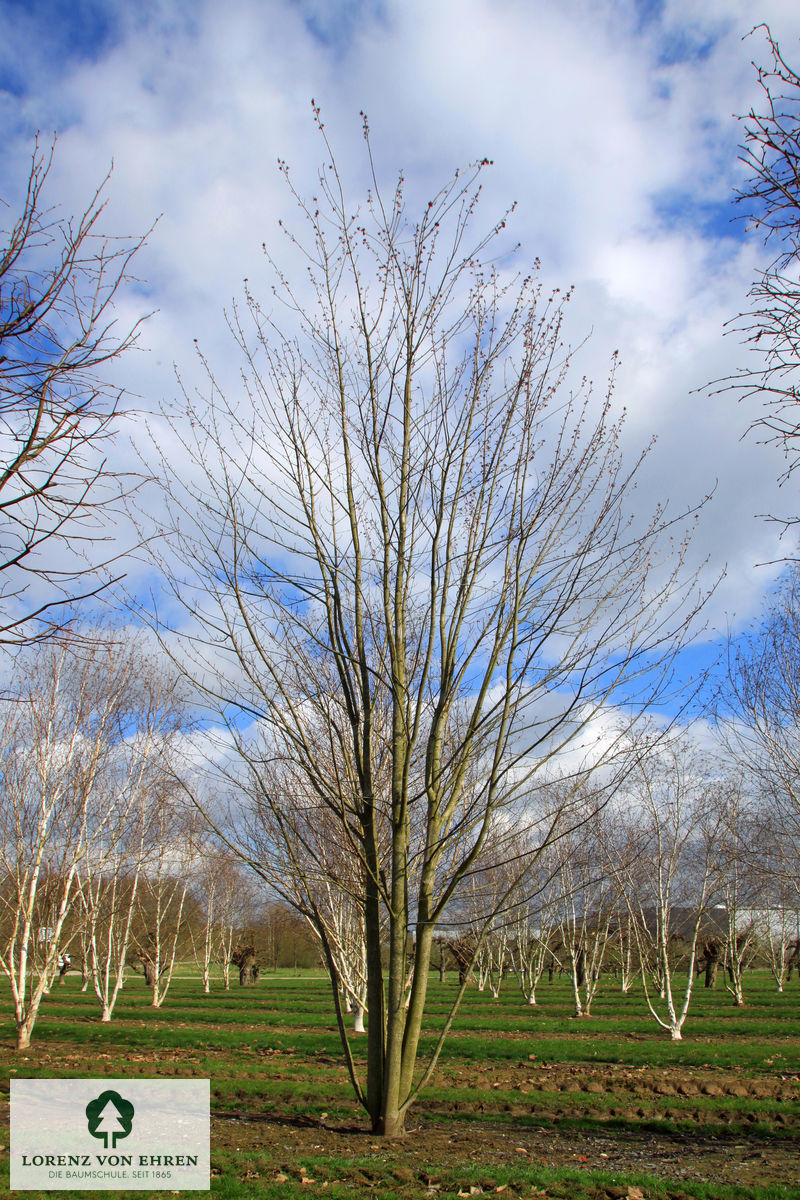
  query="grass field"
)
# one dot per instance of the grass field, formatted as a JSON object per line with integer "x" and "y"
{"x": 526, "y": 1102}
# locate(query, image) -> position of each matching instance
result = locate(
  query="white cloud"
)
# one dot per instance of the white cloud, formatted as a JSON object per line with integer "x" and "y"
{"x": 615, "y": 134}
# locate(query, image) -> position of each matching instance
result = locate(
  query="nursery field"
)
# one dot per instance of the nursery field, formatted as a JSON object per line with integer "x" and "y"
{"x": 526, "y": 1102}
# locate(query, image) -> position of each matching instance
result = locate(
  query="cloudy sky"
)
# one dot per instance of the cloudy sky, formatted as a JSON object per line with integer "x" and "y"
{"x": 610, "y": 122}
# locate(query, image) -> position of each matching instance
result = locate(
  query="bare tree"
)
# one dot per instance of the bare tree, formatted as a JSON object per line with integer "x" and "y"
{"x": 757, "y": 708}
{"x": 619, "y": 851}
{"x": 485, "y": 899}
{"x": 421, "y": 559}
{"x": 777, "y": 929}
{"x": 757, "y": 718}
{"x": 758, "y": 705}
{"x": 343, "y": 913}
{"x": 532, "y": 916}
{"x": 532, "y": 933}
{"x": 671, "y": 882}
{"x": 76, "y": 740}
{"x": 221, "y": 896}
{"x": 235, "y": 905}
{"x": 624, "y": 951}
{"x": 59, "y": 278}
{"x": 738, "y": 881}
{"x": 159, "y": 928}
{"x": 590, "y": 886}
{"x": 772, "y": 857}
{"x": 107, "y": 896}
{"x": 771, "y": 201}
{"x": 304, "y": 851}
{"x": 206, "y": 881}
{"x": 108, "y": 884}
{"x": 301, "y": 850}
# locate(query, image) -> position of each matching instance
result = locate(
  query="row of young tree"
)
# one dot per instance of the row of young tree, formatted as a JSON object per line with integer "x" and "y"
{"x": 409, "y": 581}
{"x": 100, "y": 860}
{"x": 684, "y": 865}
{"x": 687, "y": 875}
{"x": 669, "y": 867}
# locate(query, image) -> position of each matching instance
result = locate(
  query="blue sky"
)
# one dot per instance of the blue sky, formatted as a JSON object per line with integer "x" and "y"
{"x": 610, "y": 122}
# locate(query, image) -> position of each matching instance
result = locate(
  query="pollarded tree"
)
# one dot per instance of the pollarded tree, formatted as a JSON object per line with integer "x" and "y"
{"x": 410, "y": 542}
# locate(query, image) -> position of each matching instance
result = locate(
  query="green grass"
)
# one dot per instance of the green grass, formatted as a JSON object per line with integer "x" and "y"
{"x": 508, "y": 1070}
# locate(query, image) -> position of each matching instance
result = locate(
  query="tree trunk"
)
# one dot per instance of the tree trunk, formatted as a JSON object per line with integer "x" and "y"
{"x": 246, "y": 963}
{"x": 376, "y": 1028}
{"x": 391, "y": 1121}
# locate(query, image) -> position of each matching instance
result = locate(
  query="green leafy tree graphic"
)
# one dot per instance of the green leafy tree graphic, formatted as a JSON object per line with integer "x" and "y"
{"x": 110, "y": 1116}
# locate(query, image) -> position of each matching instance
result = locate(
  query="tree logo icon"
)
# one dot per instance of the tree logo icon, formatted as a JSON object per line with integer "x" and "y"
{"x": 110, "y": 1116}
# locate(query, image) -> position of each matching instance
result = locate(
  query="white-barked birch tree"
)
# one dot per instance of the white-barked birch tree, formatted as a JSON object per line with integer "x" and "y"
{"x": 81, "y": 727}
